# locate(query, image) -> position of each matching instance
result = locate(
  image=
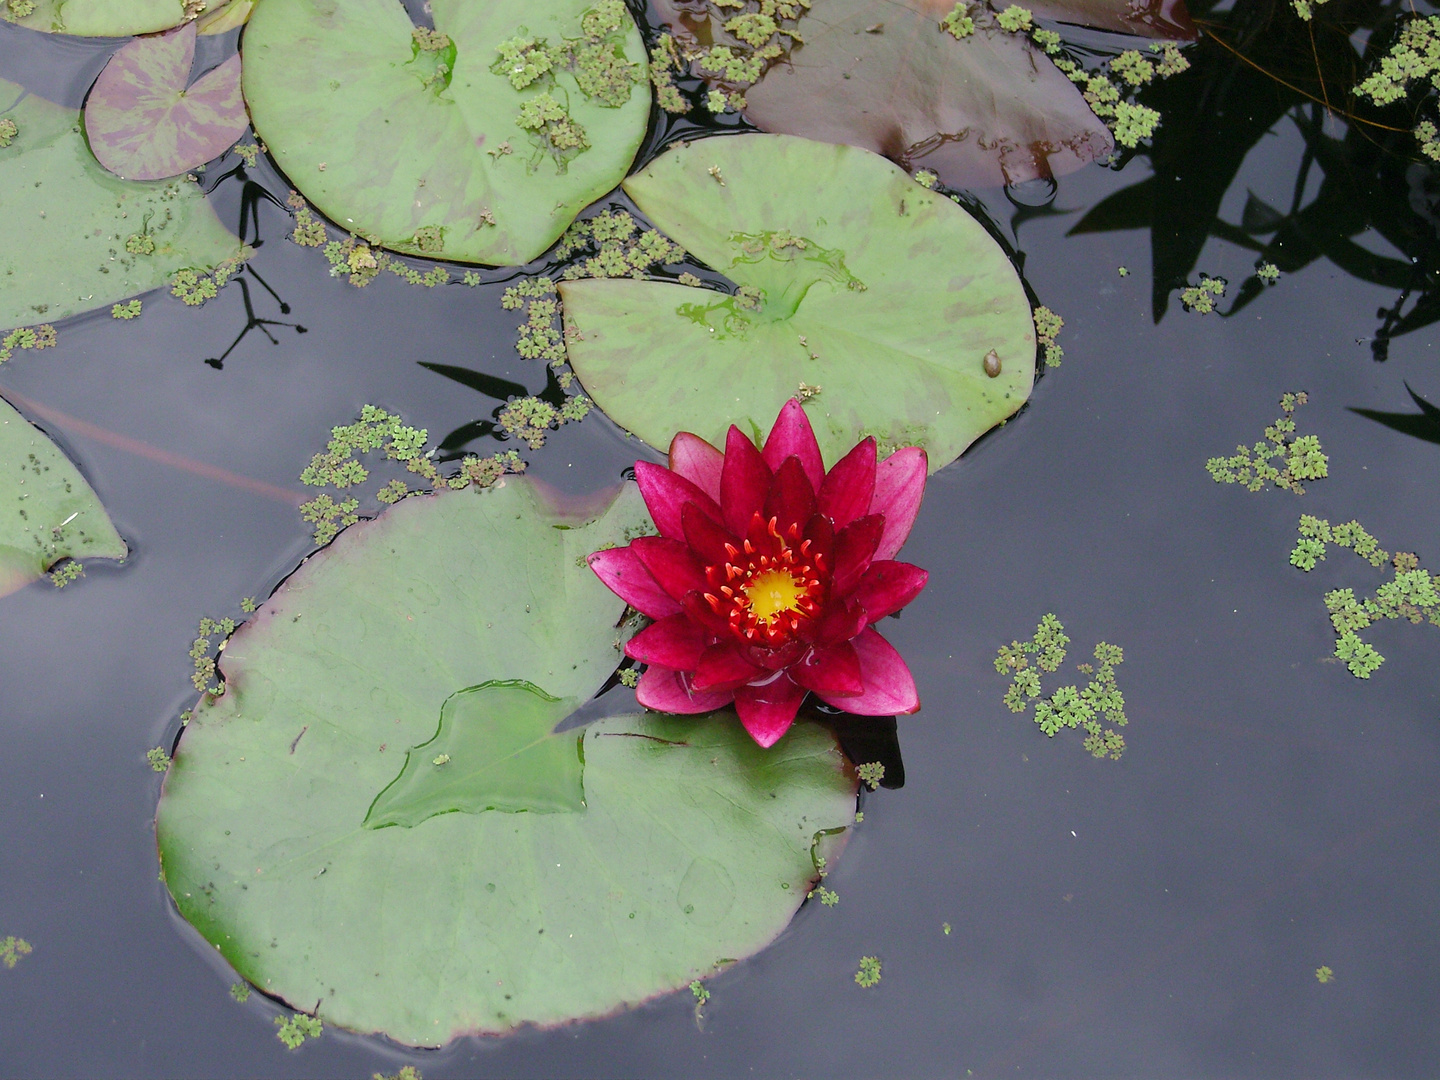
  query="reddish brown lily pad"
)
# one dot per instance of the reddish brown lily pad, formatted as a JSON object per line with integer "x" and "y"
{"x": 979, "y": 111}
{"x": 143, "y": 120}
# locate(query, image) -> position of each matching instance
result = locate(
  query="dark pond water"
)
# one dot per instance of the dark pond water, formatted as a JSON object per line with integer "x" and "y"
{"x": 1161, "y": 916}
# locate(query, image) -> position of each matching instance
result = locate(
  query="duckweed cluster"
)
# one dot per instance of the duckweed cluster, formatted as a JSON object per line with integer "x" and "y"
{"x": 27, "y": 337}
{"x": 1129, "y": 121}
{"x": 157, "y": 757}
{"x": 1254, "y": 467}
{"x": 195, "y": 286}
{"x": 339, "y": 467}
{"x": 294, "y": 1031}
{"x": 13, "y": 950}
{"x": 203, "y": 656}
{"x": 8, "y": 130}
{"x": 130, "y": 310}
{"x": 1047, "y": 328}
{"x": 1412, "y": 593}
{"x": 871, "y": 773}
{"x": 743, "y": 39}
{"x": 869, "y": 973}
{"x": 596, "y": 60}
{"x": 959, "y": 23}
{"x": 614, "y": 245}
{"x": 1069, "y": 706}
{"x": 1201, "y": 298}
{"x": 1413, "y": 60}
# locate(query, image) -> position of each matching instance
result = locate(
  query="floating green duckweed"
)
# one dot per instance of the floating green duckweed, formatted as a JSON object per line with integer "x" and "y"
{"x": 194, "y": 286}
{"x": 1413, "y": 593}
{"x": 13, "y": 950}
{"x": 959, "y": 23}
{"x": 1201, "y": 298}
{"x": 339, "y": 467}
{"x": 240, "y": 991}
{"x": 129, "y": 310}
{"x": 1268, "y": 273}
{"x": 1015, "y": 19}
{"x": 665, "y": 62}
{"x": 869, "y": 973}
{"x": 157, "y": 757}
{"x": 1413, "y": 59}
{"x": 1252, "y": 468}
{"x": 1323, "y": 974}
{"x": 8, "y": 130}
{"x": 294, "y": 1031}
{"x": 1069, "y": 706}
{"x": 27, "y": 337}
{"x": 1047, "y": 328}
{"x": 871, "y": 773}
{"x": 1428, "y": 137}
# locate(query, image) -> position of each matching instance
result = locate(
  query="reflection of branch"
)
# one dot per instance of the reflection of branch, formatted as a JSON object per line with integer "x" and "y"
{"x": 253, "y": 321}
{"x": 1210, "y": 32}
{"x": 1423, "y": 425}
{"x": 87, "y": 430}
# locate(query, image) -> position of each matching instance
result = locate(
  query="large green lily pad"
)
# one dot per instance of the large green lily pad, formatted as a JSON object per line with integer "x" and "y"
{"x": 691, "y": 844}
{"x": 47, "y": 510}
{"x": 886, "y": 296}
{"x": 417, "y": 143}
{"x": 96, "y": 18}
{"x": 67, "y": 221}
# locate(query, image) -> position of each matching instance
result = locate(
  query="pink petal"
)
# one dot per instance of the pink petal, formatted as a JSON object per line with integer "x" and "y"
{"x": 888, "y": 586}
{"x": 841, "y": 621}
{"x": 791, "y": 498}
{"x": 899, "y": 487}
{"x": 889, "y": 686}
{"x": 744, "y": 482}
{"x": 834, "y": 670}
{"x": 665, "y": 690}
{"x": 674, "y": 642}
{"x": 854, "y": 548}
{"x": 768, "y": 711}
{"x": 625, "y": 575}
{"x": 792, "y": 436}
{"x": 697, "y": 461}
{"x": 671, "y": 563}
{"x": 696, "y": 606}
{"x": 724, "y": 668}
{"x": 707, "y": 538}
{"x": 666, "y": 494}
{"x": 849, "y": 487}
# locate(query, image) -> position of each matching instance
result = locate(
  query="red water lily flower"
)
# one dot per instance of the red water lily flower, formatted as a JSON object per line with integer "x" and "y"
{"x": 767, "y": 574}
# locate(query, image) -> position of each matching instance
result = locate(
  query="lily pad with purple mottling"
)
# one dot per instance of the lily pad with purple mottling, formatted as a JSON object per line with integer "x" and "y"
{"x": 146, "y": 123}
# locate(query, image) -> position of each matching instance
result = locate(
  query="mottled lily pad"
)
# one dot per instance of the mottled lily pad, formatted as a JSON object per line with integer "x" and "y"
{"x": 855, "y": 280}
{"x": 416, "y": 141}
{"x": 78, "y": 237}
{"x": 684, "y": 842}
{"x": 982, "y": 109}
{"x": 47, "y": 510}
{"x": 147, "y": 122}
{"x": 96, "y": 18}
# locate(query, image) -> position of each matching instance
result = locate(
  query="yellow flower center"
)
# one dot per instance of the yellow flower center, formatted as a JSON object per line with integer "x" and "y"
{"x": 774, "y": 592}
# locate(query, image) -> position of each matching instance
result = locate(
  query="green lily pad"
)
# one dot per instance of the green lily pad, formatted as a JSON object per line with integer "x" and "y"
{"x": 47, "y": 510}
{"x": 884, "y": 295}
{"x": 692, "y": 843}
{"x": 77, "y": 237}
{"x": 416, "y": 140}
{"x": 95, "y": 18}
{"x": 495, "y": 749}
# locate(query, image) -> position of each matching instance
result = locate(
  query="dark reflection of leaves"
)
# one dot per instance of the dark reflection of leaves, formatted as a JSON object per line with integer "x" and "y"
{"x": 502, "y": 390}
{"x": 865, "y": 739}
{"x": 1423, "y": 425}
{"x": 1258, "y": 66}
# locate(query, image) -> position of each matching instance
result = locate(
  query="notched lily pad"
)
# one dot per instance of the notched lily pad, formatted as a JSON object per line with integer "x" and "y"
{"x": 78, "y": 237}
{"x": 482, "y": 138}
{"x": 495, "y": 749}
{"x": 692, "y": 844}
{"x": 146, "y": 121}
{"x": 858, "y": 288}
{"x": 47, "y": 510}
